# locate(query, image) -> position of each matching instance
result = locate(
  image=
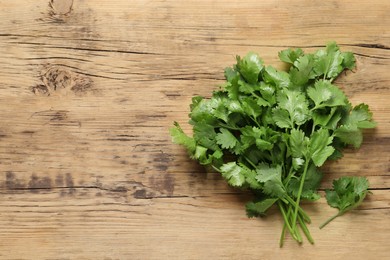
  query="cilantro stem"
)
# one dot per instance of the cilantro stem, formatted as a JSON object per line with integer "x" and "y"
{"x": 305, "y": 217}
{"x": 249, "y": 161}
{"x": 286, "y": 218}
{"x": 299, "y": 194}
{"x": 290, "y": 174}
{"x": 298, "y": 235}
{"x": 296, "y": 230}
{"x": 329, "y": 220}
{"x": 228, "y": 127}
{"x": 305, "y": 229}
{"x": 255, "y": 121}
{"x": 283, "y": 235}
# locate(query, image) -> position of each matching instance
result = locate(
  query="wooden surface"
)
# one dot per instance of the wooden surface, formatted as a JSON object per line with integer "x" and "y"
{"x": 88, "y": 90}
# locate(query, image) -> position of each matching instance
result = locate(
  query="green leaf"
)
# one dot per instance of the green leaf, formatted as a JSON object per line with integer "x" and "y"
{"x": 259, "y": 208}
{"x": 296, "y": 104}
{"x": 226, "y": 139}
{"x": 324, "y": 94}
{"x": 202, "y": 110}
{"x": 250, "y": 179}
{"x": 290, "y": 55}
{"x": 251, "y": 107}
{"x": 268, "y": 92}
{"x": 327, "y": 118}
{"x": 231, "y": 74}
{"x": 347, "y": 194}
{"x": 233, "y": 173}
{"x": 350, "y": 132}
{"x": 302, "y": 71}
{"x": 201, "y": 155}
{"x": 250, "y": 67}
{"x": 247, "y": 88}
{"x": 204, "y": 135}
{"x": 271, "y": 177}
{"x": 179, "y": 137}
{"x": 311, "y": 184}
{"x": 281, "y": 118}
{"x": 361, "y": 117}
{"x": 349, "y": 61}
{"x": 319, "y": 147}
{"x": 328, "y": 62}
{"x": 297, "y": 163}
{"x": 280, "y": 79}
{"x": 298, "y": 143}
{"x": 350, "y": 135}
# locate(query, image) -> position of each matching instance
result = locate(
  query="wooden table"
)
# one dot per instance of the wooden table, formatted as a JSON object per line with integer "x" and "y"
{"x": 89, "y": 89}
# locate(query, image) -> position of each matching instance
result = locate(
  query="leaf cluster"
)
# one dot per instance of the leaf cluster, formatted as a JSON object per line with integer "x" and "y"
{"x": 269, "y": 131}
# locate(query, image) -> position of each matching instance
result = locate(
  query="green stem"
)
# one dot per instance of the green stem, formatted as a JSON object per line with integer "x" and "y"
{"x": 249, "y": 161}
{"x": 255, "y": 121}
{"x": 313, "y": 127}
{"x": 228, "y": 127}
{"x": 305, "y": 229}
{"x": 286, "y": 220}
{"x": 304, "y": 215}
{"x": 329, "y": 220}
{"x": 290, "y": 174}
{"x": 296, "y": 230}
{"x": 299, "y": 194}
{"x": 283, "y": 235}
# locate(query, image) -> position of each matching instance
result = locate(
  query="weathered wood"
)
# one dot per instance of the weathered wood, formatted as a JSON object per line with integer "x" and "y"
{"x": 89, "y": 89}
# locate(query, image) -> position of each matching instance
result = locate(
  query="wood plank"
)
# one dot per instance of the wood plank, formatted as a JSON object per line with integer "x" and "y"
{"x": 55, "y": 223}
{"x": 89, "y": 89}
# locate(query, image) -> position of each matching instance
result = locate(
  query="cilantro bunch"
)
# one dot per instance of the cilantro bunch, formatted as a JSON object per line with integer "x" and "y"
{"x": 269, "y": 131}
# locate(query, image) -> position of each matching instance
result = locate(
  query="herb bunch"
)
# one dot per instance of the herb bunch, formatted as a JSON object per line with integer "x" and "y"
{"x": 269, "y": 131}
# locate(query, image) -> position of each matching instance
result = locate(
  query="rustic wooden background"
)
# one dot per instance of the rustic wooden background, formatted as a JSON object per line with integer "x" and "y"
{"x": 88, "y": 90}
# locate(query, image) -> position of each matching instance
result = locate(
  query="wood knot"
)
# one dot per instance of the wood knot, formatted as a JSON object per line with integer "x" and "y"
{"x": 61, "y": 80}
{"x": 60, "y": 7}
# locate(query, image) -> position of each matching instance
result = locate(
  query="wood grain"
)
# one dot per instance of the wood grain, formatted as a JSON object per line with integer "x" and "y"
{"x": 89, "y": 89}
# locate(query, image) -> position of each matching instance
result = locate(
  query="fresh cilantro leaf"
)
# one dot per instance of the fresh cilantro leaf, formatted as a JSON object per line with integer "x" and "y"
{"x": 233, "y": 173}
{"x": 311, "y": 183}
{"x": 231, "y": 86}
{"x": 280, "y": 79}
{"x": 350, "y": 135}
{"x": 226, "y": 139}
{"x": 259, "y": 208}
{"x": 290, "y": 55}
{"x": 319, "y": 147}
{"x": 247, "y": 88}
{"x": 282, "y": 118}
{"x": 302, "y": 71}
{"x": 298, "y": 143}
{"x": 250, "y": 67}
{"x": 296, "y": 104}
{"x": 257, "y": 136}
{"x": 268, "y": 93}
{"x": 328, "y": 62}
{"x": 297, "y": 163}
{"x": 327, "y": 118}
{"x": 324, "y": 94}
{"x": 271, "y": 177}
{"x": 204, "y": 135}
{"x": 349, "y": 61}
{"x": 234, "y": 106}
{"x": 350, "y": 132}
{"x": 348, "y": 193}
{"x": 361, "y": 117}
{"x": 179, "y": 137}
{"x": 201, "y": 155}
{"x": 251, "y": 107}
{"x": 231, "y": 75}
